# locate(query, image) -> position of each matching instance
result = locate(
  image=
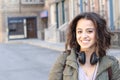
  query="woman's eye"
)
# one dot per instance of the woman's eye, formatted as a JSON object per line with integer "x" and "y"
{"x": 90, "y": 31}
{"x": 79, "y": 32}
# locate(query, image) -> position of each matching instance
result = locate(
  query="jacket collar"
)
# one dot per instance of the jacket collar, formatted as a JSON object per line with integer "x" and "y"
{"x": 72, "y": 60}
{"x": 104, "y": 64}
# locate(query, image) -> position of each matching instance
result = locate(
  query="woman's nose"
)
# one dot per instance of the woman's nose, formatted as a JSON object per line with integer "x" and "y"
{"x": 84, "y": 34}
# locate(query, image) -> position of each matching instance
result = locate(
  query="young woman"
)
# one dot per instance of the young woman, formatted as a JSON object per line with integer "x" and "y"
{"x": 85, "y": 56}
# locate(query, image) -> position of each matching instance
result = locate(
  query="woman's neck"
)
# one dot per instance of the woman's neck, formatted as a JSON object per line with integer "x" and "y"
{"x": 88, "y": 53}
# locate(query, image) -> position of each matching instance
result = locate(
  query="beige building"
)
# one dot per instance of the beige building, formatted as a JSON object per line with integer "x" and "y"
{"x": 61, "y": 12}
{"x": 22, "y": 19}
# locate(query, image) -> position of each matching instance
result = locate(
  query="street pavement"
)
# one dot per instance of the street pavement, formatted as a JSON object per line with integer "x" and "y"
{"x": 19, "y": 61}
{"x": 31, "y": 59}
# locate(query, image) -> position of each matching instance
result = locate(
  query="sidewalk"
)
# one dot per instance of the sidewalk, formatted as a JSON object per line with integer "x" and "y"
{"x": 41, "y": 43}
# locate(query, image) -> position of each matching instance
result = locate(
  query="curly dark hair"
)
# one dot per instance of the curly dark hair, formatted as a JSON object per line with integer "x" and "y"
{"x": 103, "y": 34}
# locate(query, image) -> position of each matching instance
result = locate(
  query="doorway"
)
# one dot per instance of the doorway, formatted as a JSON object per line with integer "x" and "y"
{"x": 31, "y": 28}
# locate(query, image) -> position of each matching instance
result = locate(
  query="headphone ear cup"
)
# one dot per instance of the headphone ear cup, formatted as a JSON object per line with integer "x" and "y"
{"x": 94, "y": 58}
{"x": 82, "y": 57}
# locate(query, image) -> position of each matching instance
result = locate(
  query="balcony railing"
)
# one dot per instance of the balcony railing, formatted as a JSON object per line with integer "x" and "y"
{"x": 27, "y": 2}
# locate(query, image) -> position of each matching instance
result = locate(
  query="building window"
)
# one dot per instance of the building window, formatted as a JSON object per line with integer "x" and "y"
{"x": 16, "y": 29}
{"x": 60, "y": 13}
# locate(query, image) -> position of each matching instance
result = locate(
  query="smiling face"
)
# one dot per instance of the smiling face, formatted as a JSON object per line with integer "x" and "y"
{"x": 85, "y": 34}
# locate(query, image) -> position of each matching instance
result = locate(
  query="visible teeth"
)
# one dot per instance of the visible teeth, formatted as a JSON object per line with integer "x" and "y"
{"x": 84, "y": 41}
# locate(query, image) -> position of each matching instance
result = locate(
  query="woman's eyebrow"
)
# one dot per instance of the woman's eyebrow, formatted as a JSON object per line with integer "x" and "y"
{"x": 78, "y": 28}
{"x": 90, "y": 28}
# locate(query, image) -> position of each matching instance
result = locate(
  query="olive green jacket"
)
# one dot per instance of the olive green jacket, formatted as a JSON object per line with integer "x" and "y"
{"x": 66, "y": 68}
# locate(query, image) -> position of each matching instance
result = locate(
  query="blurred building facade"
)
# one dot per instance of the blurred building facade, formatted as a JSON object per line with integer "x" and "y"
{"x": 48, "y": 19}
{"x": 21, "y": 19}
{"x": 61, "y": 12}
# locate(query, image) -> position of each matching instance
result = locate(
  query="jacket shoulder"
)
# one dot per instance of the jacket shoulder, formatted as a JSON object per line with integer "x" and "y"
{"x": 56, "y": 71}
{"x": 112, "y": 58}
{"x": 115, "y": 68}
{"x": 63, "y": 56}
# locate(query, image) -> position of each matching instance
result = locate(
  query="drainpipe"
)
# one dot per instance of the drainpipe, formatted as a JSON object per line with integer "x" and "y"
{"x": 81, "y": 6}
{"x": 111, "y": 15}
{"x": 57, "y": 20}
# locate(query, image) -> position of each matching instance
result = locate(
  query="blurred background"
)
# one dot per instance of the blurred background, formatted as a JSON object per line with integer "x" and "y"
{"x": 33, "y": 33}
{"x": 48, "y": 19}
